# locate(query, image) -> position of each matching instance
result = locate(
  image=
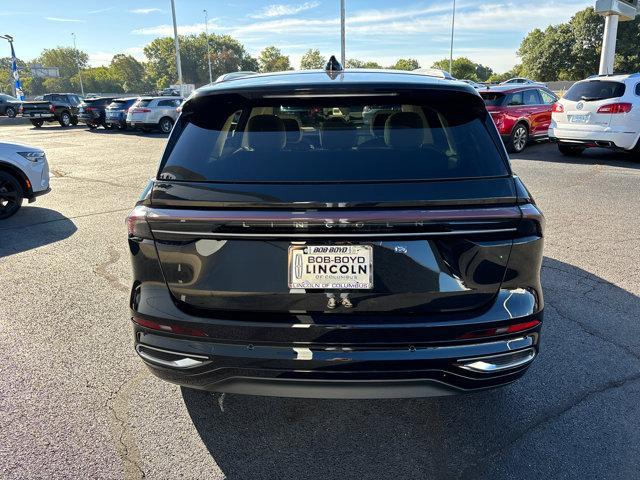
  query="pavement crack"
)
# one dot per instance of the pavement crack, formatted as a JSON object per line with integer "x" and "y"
{"x": 102, "y": 270}
{"x": 481, "y": 464}
{"x": 116, "y": 404}
{"x": 594, "y": 333}
{"x": 90, "y": 180}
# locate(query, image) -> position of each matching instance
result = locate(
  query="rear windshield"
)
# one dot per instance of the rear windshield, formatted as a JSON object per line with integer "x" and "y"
{"x": 492, "y": 99}
{"x": 595, "y": 90}
{"x": 120, "y": 103}
{"x": 328, "y": 140}
{"x": 143, "y": 103}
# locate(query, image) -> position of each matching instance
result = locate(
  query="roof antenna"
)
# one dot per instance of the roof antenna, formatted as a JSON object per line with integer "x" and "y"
{"x": 333, "y": 68}
{"x": 333, "y": 65}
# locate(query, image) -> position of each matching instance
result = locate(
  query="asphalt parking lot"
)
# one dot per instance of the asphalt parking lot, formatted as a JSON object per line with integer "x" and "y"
{"x": 76, "y": 402}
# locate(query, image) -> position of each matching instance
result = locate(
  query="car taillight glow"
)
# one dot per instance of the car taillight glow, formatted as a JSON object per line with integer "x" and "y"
{"x": 137, "y": 226}
{"x": 175, "y": 329}
{"x": 142, "y": 110}
{"x": 20, "y": 109}
{"x": 491, "y": 332}
{"x": 621, "y": 107}
{"x": 52, "y": 108}
{"x": 557, "y": 108}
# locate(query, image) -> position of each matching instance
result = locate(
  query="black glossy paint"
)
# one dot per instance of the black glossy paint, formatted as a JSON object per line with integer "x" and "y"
{"x": 451, "y": 258}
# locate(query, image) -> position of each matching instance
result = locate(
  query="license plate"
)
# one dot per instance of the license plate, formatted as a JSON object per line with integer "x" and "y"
{"x": 578, "y": 118}
{"x": 339, "y": 267}
{"x": 111, "y": 115}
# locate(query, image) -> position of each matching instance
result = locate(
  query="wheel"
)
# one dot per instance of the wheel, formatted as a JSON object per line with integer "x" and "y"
{"x": 10, "y": 195}
{"x": 518, "y": 138}
{"x": 10, "y": 112}
{"x": 65, "y": 119}
{"x": 166, "y": 124}
{"x": 74, "y": 121}
{"x": 91, "y": 126}
{"x": 108, "y": 126}
{"x": 570, "y": 150}
{"x": 37, "y": 123}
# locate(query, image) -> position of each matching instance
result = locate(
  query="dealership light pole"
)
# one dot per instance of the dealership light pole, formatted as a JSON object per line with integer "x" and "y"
{"x": 342, "y": 34}
{"x": 614, "y": 11}
{"x": 453, "y": 23}
{"x": 177, "y": 43}
{"x": 206, "y": 32}
{"x": 78, "y": 63}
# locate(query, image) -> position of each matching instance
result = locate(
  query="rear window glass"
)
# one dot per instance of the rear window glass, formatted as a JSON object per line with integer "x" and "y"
{"x": 595, "y": 90}
{"x": 327, "y": 140}
{"x": 492, "y": 99}
{"x": 143, "y": 103}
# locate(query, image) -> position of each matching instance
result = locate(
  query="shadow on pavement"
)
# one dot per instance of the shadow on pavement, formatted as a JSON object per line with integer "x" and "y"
{"x": 33, "y": 227}
{"x": 548, "y": 152}
{"x": 576, "y": 407}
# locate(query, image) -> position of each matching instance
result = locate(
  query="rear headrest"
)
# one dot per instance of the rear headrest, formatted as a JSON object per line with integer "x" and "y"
{"x": 404, "y": 130}
{"x": 337, "y": 134}
{"x": 292, "y": 129}
{"x": 266, "y": 132}
{"x": 377, "y": 126}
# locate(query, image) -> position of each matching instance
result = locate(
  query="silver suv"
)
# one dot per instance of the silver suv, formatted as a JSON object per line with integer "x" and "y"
{"x": 149, "y": 113}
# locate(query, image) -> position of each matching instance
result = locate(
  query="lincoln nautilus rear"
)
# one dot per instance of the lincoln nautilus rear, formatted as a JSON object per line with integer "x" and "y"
{"x": 337, "y": 234}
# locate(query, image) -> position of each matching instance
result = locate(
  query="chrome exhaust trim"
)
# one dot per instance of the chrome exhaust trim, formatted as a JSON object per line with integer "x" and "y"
{"x": 169, "y": 358}
{"x": 498, "y": 363}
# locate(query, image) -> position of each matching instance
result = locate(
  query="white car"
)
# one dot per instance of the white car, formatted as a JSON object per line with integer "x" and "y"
{"x": 24, "y": 173}
{"x": 149, "y": 113}
{"x": 601, "y": 111}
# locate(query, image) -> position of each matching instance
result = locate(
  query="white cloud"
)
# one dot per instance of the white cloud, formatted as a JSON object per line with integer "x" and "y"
{"x": 145, "y": 11}
{"x": 68, "y": 20}
{"x": 101, "y": 10}
{"x": 100, "y": 58}
{"x": 280, "y": 10}
{"x": 167, "y": 30}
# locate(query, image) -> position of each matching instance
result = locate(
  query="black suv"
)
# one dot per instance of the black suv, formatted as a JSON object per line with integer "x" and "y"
{"x": 92, "y": 112}
{"x": 344, "y": 258}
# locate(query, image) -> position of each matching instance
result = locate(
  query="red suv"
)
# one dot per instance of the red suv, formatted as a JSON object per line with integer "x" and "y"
{"x": 521, "y": 113}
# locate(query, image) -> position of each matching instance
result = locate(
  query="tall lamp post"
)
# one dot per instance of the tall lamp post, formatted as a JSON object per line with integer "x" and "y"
{"x": 614, "y": 11}
{"x": 206, "y": 32}
{"x": 453, "y": 23}
{"x": 78, "y": 63}
{"x": 17, "y": 86}
{"x": 177, "y": 43}
{"x": 343, "y": 41}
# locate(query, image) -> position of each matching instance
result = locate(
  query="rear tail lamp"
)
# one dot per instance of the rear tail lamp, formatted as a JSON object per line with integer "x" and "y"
{"x": 137, "y": 226}
{"x": 175, "y": 329}
{"x": 142, "y": 110}
{"x": 621, "y": 107}
{"x": 52, "y": 108}
{"x": 20, "y": 109}
{"x": 492, "y": 332}
{"x": 557, "y": 108}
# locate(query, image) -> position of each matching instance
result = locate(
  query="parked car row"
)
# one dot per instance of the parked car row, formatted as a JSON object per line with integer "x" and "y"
{"x": 142, "y": 113}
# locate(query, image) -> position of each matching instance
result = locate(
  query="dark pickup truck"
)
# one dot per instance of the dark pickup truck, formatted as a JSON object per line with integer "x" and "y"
{"x": 54, "y": 107}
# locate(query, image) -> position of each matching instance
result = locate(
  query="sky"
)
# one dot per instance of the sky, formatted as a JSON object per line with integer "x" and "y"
{"x": 487, "y": 31}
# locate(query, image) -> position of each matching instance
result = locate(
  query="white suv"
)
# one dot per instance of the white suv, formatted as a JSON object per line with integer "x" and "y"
{"x": 24, "y": 173}
{"x": 149, "y": 113}
{"x": 602, "y": 111}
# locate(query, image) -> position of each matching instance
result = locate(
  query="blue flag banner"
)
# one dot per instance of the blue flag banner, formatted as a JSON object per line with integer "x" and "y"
{"x": 16, "y": 77}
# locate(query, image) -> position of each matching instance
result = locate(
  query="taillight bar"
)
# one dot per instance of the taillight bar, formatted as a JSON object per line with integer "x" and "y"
{"x": 141, "y": 110}
{"x": 618, "y": 107}
{"x": 175, "y": 329}
{"x": 137, "y": 226}
{"x": 492, "y": 332}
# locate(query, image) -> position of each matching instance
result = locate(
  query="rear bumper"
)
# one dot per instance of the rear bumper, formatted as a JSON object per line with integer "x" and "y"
{"x": 602, "y": 138}
{"x": 333, "y": 372}
{"x": 38, "y": 116}
{"x": 142, "y": 124}
{"x": 337, "y": 356}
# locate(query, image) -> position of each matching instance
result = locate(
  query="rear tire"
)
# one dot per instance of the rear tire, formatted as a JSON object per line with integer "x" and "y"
{"x": 11, "y": 195}
{"x": 10, "y": 112}
{"x": 165, "y": 124}
{"x": 65, "y": 120}
{"x": 37, "y": 123}
{"x": 570, "y": 150}
{"x": 518, "y": 139}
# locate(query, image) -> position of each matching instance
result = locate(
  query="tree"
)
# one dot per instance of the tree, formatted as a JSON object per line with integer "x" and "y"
{"x": 465, "y": 69}
{"x": 129, "y": 73}
{"x": 355, "y": 63}
{"x": 272, "y": 60}
{"x": 227, "y": 55}
{"x": 68, "y": 60}
{"x": 406, "y": 64}
{"x": 312, "y": 60}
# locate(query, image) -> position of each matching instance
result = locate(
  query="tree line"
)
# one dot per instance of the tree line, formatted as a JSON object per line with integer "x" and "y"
{"x": 567, "y": 51}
